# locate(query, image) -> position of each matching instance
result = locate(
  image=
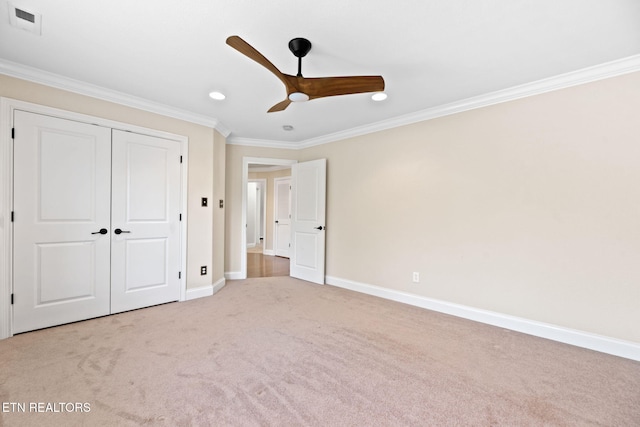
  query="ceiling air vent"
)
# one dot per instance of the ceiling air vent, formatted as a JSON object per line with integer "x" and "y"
{"x": 25, "y": 20}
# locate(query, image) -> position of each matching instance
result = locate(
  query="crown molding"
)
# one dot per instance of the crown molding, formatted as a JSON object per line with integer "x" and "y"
{"x": 36, "y": 75}
{"x": 265, "y": 143}
{"x": 586, "y": 75}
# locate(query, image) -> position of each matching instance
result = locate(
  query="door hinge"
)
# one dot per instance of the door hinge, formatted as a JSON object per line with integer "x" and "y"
{"x": 180, "y": 159}
{"x": 180, "y": 217}
{"x": 179, "y": 274}
{"x": 11, "y": 299}
{"x": 13, "y": 133}
{"x": 11, "y": 216}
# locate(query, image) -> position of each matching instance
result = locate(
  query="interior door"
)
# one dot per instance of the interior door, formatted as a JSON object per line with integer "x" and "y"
{"x": 252, "y": 214}
{"x": 145, "y": 247}
{"x": 282, "y": 240}
{"x": 62, "y": 204}
{"x": 308, "y": 201}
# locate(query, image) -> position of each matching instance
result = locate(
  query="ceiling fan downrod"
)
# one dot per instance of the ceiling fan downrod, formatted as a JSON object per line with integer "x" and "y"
{"x": 299, "y": 47}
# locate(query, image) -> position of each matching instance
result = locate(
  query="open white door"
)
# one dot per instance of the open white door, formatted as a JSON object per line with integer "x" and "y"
{"x": 308, "y": 202}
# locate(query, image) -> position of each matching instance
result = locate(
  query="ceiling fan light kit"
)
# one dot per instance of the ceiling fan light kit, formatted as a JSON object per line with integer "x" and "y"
{"x": 299, "y": 88}
{"x": 298, "y": 97}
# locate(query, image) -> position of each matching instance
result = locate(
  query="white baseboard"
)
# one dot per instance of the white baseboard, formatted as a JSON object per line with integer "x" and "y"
{"x": 219, "y": 285}
{"x": 234, "y": 275}
{"x": 614, "y": 346}
{"x": 205, "y": 291}
{"x": 269, "y": 252}
{"x": 199, "y": 292}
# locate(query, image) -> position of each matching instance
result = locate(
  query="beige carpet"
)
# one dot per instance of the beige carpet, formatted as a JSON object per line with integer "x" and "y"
{"x": 281, "y": 352}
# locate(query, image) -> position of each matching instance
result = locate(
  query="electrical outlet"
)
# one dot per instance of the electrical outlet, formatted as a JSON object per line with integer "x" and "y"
{"x": 203, "y": 270}
{"x": 416, "y": 277}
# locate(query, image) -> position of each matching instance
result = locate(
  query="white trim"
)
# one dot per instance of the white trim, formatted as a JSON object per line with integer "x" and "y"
{"x": 268, "y": 252}
{"x": 7, "y": 107}
{"x": 35, "y": 75}
{"x": 269, "y": 143}
{"x": 184, "y": 189}
{"x": 235, "y": 275}
{"x": 586, "y": 75}
{"x": 219, "y": 285}
{"x": 245, "y": 179}
{"x": 205, "y": 291}
{"x": 6, "y": 236}
{"x": 616, "y": 347}
{"x": 199, "y": 292}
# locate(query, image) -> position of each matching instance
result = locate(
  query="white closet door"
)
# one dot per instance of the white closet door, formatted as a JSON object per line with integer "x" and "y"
{"x": 145, "y": 254}
{"x": 62, "y": 173}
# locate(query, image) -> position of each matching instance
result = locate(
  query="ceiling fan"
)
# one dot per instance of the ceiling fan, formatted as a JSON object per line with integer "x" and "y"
{"x": 301, "y": 88}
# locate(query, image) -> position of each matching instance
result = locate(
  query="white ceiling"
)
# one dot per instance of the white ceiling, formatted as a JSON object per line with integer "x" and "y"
{"x": 170, "y": 53}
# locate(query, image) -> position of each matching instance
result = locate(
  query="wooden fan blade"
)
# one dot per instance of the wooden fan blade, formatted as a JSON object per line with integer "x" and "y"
{"x": 332, "y": 86}
{"x": 249, "y": 51}
{"x": 280, "y": 106}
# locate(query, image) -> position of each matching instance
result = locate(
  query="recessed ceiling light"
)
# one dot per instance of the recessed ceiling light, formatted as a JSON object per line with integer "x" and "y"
{"x": 287, "y": 127}
{"x": 379, "y": 96}
{"x": 218, "y": 96}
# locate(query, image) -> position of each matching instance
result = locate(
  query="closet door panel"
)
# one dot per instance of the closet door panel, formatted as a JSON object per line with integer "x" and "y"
{"x": 145, "y": 249}
{"x": 62, "y": 173}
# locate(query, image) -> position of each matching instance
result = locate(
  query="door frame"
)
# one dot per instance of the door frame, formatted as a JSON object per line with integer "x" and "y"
{"x": 7, "y": 107}
{"x": 246, "y": 161}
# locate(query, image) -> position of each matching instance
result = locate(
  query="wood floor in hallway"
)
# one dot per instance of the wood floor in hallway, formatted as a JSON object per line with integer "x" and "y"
{"x": 260, "y": 265}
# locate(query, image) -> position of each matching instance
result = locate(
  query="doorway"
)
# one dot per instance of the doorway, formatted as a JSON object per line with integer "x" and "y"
{"x": 267, "y": 218}
{"x": 308, "y": 216}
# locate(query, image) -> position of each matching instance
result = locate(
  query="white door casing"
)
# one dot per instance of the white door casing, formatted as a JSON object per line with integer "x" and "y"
{"x": 145, "y": 254}
{"x": 282, "y": 215}
{"x": 61, "y": 261}
{"x": 308, "y": 210}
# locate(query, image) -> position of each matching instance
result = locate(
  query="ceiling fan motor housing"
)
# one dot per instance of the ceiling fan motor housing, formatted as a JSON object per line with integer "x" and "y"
{"x": 299, "y": 47}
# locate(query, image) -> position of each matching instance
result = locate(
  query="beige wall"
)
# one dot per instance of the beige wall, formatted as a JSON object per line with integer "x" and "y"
{"x": 206, "y": 152}
{"x": 529, "y": 208}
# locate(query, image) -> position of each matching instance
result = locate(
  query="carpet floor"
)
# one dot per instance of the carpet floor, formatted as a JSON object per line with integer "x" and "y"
{"x": 281, "y": 352}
